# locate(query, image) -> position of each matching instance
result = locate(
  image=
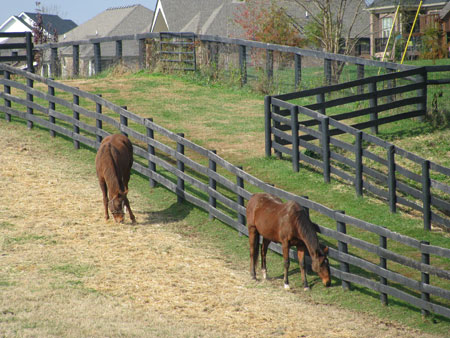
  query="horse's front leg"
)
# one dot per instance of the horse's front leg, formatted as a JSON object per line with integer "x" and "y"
{"x": 105, "y": 196}
{"x": 285, "y": 246}
{"x": 253, "y": 238}
{"x": 264, "y": 247}
{"x": 127, "y": 204}
{"x": 301, "y": 262}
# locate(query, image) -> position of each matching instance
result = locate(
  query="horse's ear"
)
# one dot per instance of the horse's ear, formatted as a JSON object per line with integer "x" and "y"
{"x": 325, "y": 250}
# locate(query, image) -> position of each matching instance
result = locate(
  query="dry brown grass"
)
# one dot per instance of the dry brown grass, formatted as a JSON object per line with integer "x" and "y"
{"x": 65, "y": 272}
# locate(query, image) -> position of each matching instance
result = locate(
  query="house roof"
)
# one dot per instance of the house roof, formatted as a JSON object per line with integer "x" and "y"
{"x": 444, "y": 11}
{"x": 211, "y": 17}
{"x": 53, "y": 22}
{"x": 113, "y": 21}
{"x": 378, "y": 4}
{"x": 216, "y": 17}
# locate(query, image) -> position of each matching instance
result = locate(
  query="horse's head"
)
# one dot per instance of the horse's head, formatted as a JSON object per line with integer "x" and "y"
{"x": 116, "y": 204}
{"x": 322, "y": 267}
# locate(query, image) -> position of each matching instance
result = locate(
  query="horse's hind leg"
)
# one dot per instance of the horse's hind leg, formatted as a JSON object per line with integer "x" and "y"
{"x": 285, "y": 247}
{"x": 253, "y": 238}
{"x": 264, "y": 247}
{"x": 301, "y": 262}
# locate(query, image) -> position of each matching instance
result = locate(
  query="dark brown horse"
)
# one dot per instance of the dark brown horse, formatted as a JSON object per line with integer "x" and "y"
{"x": 113, "y": 163}
{"x": 289, "y": 224}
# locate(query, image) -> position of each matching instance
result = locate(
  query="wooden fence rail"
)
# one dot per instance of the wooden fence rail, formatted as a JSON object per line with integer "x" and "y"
{"x": 221, "y": 188}
{"x": 291, "y": 124}
{"x": 15, "y": 47}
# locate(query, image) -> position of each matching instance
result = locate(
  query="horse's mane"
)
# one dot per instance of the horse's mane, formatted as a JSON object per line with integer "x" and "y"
{"x": 308, "y": 229}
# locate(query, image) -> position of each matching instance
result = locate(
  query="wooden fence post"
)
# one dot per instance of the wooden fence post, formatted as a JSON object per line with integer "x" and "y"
{"x": 425, "y": 278}
{"x": 423, "y": 77}
{"x": 97, "y": 58}
{"x": 276, "y": 125}
{"x": 295, "y": 144}
{"x": 373, "y": 103}
{"x": 426, "y": 195}
{"x": 327, "y": 71}
{"x": 383, "y": 265}
{"x": 360, "y": 76}
{"x": 7, "y": 90}
{"x": 124, "y": 120}
{"x": 298, "y": 70}
{"x": 54, "y": 62}
{"x": 30, "y": 98}
{"x": 151, "y": 151}
{"x": 390, "y": 85}
{"x": 341, "y": 227}
{"x": 98, "y": 122}
{"x": 142, "y": 53}
{"x": 267, "y": 125}
{"x": 76, "y": 60}
{"x": 76, "y": 116}
{"x": 180, "y": 166}
{"x": 51, "y": 106}
{"x": 358, "y": 164}
{"x": 118, "y": 51}
{"x": 212, "y": 184}
{"x": 269, "y": 64}
{"x": 326, "y": 148}
{"x": 392, "y": 183}
{"x": 29, "y": 48}
{"x": 240, "y": 199}
{"x": 243, "y": 63}
{"x": 320, "y": 99}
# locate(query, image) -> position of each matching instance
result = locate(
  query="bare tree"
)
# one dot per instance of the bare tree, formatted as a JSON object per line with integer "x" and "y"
{"x": 333, "y": 25}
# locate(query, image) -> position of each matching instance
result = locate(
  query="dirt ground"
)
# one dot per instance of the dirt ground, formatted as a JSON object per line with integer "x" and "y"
{"x": 64, "y": 271}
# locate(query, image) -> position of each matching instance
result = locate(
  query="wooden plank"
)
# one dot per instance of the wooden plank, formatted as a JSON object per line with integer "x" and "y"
{"x": 392, "y": 276}
{"x": 440, "y": 220}
{"x": 388, "y": 119}
{"x": 13, "y": 46}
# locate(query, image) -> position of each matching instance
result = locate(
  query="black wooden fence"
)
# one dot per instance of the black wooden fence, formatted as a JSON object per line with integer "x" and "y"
{"x": 20, "y": 51}
{"x": 290, "y": 127}
{"x": 214, "y": 46}
{"x": 221, "y": 188}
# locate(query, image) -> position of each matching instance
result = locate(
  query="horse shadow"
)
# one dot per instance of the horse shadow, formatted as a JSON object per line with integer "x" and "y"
{"x": 174, "y": 213}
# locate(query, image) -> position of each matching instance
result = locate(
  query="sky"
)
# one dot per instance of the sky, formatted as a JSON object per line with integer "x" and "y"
{"x": 79, "y": 10}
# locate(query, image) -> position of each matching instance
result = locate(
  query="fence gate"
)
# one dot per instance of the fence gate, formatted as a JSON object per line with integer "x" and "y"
{"x": 177, "y": 51}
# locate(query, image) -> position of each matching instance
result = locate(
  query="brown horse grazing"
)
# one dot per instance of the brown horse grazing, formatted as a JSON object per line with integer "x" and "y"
{"x": 289, "y": 224}
{"x": 113, "y": 163}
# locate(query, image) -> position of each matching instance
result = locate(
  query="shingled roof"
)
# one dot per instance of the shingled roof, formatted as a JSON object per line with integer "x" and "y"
{"x": 53, "y": 22}
{"x": 113, "y": 21}
{"x": 211, "y": 17}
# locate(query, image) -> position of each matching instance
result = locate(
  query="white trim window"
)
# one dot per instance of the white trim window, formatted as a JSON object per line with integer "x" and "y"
{"x": 386, "y": 24}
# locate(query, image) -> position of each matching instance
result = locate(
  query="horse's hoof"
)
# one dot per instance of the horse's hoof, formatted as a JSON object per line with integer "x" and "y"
{"x": 133, "y": 222}
{"x": 306, "y": 288}
{"x": 264, "y": 274}
{"x": 286, "y": 286}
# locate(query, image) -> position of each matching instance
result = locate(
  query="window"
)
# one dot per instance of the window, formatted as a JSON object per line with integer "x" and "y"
{"x": 386, "y": 24}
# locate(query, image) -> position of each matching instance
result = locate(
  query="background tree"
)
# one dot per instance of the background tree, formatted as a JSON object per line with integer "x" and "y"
{"x": 332, "y": 26}
{"x": 267, "y": 21}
